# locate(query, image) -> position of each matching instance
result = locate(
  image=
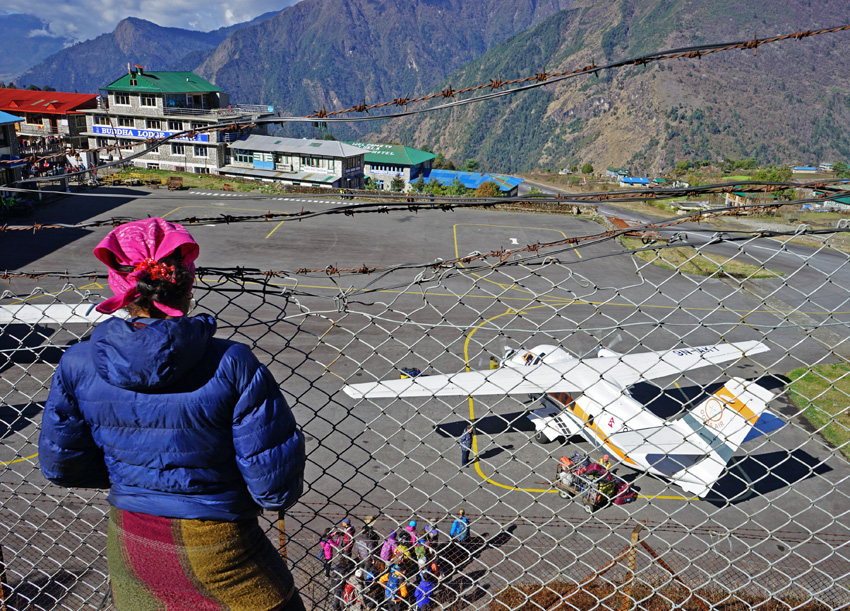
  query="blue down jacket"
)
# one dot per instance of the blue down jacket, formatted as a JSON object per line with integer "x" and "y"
{"x": 179, "y": 424}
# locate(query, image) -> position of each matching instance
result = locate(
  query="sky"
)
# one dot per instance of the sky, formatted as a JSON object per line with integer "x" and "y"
{"x": 86, "y": 19}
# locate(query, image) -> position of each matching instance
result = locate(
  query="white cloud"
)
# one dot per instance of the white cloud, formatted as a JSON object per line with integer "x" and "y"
{"x": 86, "y": 19}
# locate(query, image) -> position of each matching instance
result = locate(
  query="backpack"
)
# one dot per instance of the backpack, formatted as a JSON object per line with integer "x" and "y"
{"x": 625, "y": 494}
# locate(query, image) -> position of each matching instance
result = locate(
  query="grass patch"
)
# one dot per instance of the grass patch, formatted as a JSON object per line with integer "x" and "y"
{"x": 823, "y": 393}
{"x": 691, "y": 261}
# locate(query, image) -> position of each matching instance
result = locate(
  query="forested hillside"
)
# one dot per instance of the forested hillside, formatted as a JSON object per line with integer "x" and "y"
{"x": 790, "y": 103}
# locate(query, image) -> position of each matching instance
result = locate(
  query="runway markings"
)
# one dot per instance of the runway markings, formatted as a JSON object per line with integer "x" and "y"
{"x": 271, "y": 199}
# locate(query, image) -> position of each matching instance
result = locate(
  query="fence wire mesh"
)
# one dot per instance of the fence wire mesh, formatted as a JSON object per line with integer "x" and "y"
{"x": 771, "y": 532}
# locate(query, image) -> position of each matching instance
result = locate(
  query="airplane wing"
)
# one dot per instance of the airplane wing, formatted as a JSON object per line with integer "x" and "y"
{"x": 571, "y": 376}
{"x": 625, "y": 370}
{"x": 503, "y": 381}
{"x": 55, "y": 313}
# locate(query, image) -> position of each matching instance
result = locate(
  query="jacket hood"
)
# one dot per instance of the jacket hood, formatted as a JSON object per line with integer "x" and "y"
{"x": 150, "y": 354}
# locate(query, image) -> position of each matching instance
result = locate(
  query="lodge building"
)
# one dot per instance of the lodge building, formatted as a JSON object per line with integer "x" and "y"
{"x": 142, "y": 106}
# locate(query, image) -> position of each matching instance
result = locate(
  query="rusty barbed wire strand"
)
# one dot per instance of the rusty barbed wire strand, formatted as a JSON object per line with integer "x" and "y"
{"x": 422, "y": 202}
{"x": 502, "y": 255}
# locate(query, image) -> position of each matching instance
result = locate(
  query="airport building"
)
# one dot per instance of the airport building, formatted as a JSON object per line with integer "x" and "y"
{"x": 383, "y": 162}
{"x": 142, "y": 106}
{"x": 294, "y": 161}
{"x": 51, "y": 120}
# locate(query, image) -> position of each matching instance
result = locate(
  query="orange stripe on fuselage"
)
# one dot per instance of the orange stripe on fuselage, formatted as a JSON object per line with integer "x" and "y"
{"x": 738, "y": 405}
{"x": 603, "y": 438}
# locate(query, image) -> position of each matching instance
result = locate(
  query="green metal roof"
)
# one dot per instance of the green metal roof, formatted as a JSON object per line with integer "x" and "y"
{"x": 393, "y": 153}
{"x": 163, "y": 82}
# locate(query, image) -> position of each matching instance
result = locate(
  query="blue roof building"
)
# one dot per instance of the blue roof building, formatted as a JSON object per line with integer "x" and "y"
{"x": 629, "y": 181}
{"x": 473, "y": 180}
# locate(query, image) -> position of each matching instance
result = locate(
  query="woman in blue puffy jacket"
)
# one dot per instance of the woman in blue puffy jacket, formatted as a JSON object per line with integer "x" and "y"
{"x": 190, "y": 433}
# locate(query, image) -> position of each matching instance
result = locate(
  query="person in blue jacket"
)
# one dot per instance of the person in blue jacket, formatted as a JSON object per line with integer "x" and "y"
{"x": 189, "y": 432}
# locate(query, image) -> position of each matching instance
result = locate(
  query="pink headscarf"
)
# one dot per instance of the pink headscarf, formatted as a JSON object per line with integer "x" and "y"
{"x": 133, "y": 243}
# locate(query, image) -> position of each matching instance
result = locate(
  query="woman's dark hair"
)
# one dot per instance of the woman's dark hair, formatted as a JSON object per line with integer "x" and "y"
{"x": 172, "y": 290}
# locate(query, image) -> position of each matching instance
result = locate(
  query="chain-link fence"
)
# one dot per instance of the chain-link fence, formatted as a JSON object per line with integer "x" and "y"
{"x": 771, "y": 531}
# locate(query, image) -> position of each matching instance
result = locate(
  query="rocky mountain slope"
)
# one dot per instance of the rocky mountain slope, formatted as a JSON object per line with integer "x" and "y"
{"x": 790, "y": 103}
{"x": 338, "y": 52}
{"x": 89, "y": 65}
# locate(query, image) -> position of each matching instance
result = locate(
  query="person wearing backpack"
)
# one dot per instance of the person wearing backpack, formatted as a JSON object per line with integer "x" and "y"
{"x": 327, "y": 545}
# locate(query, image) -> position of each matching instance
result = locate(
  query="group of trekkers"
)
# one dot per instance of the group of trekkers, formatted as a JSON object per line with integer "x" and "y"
{"x": 400, "y": 571}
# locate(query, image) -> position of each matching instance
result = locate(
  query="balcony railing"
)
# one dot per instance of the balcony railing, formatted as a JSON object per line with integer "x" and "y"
{"x": 236, "y": 110}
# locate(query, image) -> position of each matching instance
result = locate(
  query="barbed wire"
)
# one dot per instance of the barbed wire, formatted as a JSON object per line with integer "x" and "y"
{"x": 502, "y": 256}
{"x": 544, "y": 78}
{"x": 419, "y": 202}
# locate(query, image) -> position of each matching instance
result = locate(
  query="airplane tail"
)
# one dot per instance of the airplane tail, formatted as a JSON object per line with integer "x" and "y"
{"x": 721, "y": 422}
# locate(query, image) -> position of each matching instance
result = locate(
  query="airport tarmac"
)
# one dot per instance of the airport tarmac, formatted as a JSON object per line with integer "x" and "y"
{"x": 777, "y": 516}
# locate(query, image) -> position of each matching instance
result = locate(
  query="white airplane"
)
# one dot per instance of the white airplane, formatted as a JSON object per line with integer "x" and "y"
{"x": 692, "y": 450}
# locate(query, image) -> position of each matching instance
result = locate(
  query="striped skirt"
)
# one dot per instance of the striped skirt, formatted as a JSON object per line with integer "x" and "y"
{"x": 167, "y": 564}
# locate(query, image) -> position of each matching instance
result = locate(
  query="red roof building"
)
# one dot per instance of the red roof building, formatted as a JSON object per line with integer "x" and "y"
{"x": 53, "y": 115}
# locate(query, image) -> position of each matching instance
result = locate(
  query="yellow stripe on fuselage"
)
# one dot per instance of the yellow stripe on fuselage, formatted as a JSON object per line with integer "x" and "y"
{"x": 603, "y": 438}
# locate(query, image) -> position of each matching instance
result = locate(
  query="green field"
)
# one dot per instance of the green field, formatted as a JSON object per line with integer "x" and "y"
{"x": 823, "y": 393}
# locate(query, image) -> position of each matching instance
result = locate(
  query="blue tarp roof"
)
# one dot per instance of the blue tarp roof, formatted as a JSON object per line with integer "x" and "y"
{"x": 635, "y": 181}
{"x": 6, "y": 118}
{"x": 473, "y": 180}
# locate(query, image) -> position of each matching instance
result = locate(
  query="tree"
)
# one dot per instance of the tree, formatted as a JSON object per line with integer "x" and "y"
{"x": 773, "y": 174}
{"x": 587, "y": 168}
{"x": 470, "y": 165}
{"x": 370, "y": 184}
{"x": 397, "y": 183}
{"x": 329, "y": 137}
{"x": 488, "y": 189}
{"x": 441, "y": 163}
{"x": 34, "y": 88}
{"x": 455, "y": 189}
{"x": 841, "y": 169}
{"x": 574, "y": 169}
{"x": 419, "y": 185}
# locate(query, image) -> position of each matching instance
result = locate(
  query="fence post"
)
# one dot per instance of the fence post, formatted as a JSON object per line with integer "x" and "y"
{"x": 281, "y": 527}
{"x": 630, "y": 575}
{"x": 2, "y": 582}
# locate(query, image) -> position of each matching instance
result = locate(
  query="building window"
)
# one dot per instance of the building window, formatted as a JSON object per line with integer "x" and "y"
{"x": 153, "y": 166}
{"x": 175, "y": 126}
{"x": 241, "y": 156}
{"x": 125, "y": 143}
{"x": 122, "y": 98}
{"x": 202, "y": 170}
{"x": 126, "y": 122}
{"x": 201, "y": 151}
{"x": 196, "y": 125}
{"x": 153, "y": 124}
{"x": 147, "y": 99}
{"x": 32, "y": 119}
{"x": 178, "y": 149}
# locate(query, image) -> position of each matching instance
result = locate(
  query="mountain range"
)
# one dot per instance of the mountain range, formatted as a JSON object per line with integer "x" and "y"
{"x": 789, "y": 103}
